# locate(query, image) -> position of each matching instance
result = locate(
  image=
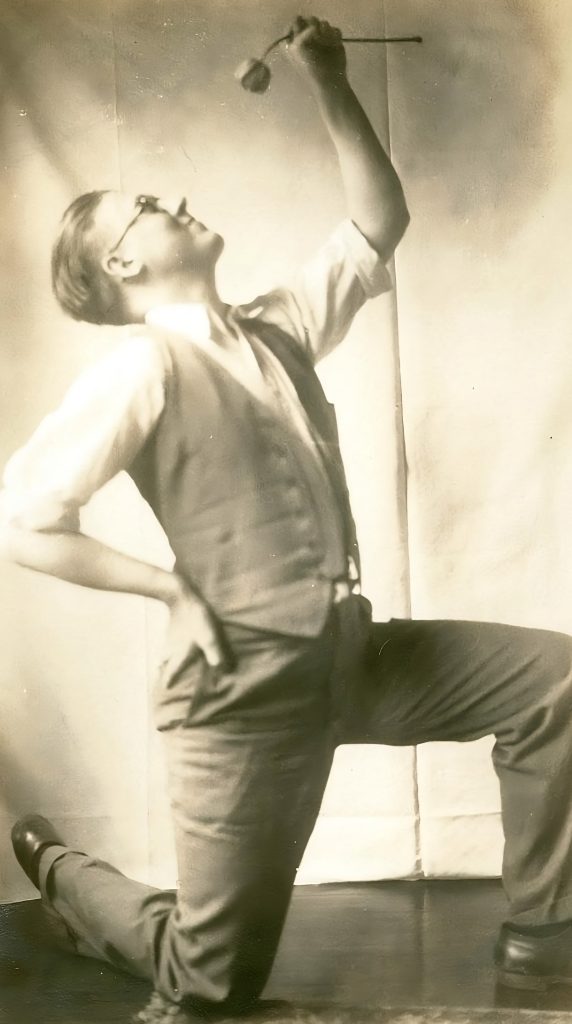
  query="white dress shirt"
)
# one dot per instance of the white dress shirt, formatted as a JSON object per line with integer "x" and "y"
{"x": 111, "y": 409}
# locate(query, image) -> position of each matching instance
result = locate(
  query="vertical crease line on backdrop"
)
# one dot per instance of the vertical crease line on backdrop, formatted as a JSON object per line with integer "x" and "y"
{"x": 111, "y": 9}
{"x": 149, "y": 674}
{"x": 402, "y": 488}
{"x": 147, "y": 652}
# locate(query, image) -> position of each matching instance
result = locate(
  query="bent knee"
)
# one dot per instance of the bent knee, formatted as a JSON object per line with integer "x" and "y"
{"x": 553, "y": 666}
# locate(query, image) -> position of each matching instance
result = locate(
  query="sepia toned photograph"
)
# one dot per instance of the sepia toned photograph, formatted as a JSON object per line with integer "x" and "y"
{"x": 285, "y": 505}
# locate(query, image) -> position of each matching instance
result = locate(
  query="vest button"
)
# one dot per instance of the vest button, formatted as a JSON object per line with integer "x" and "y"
{"x": 295, "y": 500}
{"x": 303, "y": 523}
{"x": 309, "y": 555}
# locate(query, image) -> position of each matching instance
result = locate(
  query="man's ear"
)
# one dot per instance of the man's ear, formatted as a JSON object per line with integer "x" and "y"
{"x": 117, "y": 266}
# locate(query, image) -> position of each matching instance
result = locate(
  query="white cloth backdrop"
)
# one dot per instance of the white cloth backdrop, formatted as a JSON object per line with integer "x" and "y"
{"x": 139, "y": 94}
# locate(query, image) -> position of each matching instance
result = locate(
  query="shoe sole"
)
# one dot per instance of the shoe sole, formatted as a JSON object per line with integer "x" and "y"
{"x": 531, "y": 982}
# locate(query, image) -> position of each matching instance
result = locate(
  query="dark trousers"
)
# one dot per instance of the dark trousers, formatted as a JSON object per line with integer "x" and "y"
{"x": 248, "y": 756}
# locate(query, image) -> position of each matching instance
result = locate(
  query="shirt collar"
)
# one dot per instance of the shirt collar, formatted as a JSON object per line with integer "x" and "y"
{"x": 186, "y": 318}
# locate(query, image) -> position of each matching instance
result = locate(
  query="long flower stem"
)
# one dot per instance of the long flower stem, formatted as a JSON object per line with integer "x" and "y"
{"x": 350, "y": 39}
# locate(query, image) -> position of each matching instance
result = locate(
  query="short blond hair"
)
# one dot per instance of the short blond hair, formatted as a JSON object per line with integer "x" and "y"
{"x": 78, "y": 281}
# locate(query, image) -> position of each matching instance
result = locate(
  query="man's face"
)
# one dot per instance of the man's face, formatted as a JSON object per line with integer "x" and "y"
{"x": 158, "y": 233}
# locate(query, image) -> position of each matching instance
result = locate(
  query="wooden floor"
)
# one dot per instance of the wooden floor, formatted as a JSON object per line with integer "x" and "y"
{"x": 384, "y": 944}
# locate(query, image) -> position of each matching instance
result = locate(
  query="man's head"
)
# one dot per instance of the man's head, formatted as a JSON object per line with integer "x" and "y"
{"x": 117, "y": 255}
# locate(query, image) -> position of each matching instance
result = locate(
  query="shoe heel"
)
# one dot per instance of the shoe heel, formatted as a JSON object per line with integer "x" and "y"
{"x": 523, "y": 982}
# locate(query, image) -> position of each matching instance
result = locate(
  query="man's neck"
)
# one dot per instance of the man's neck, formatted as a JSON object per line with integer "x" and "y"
{"x": 184, "y": 292}
{"x": 197, "y": 318}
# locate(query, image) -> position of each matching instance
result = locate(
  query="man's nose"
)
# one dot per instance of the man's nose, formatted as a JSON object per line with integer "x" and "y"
{"x": 176, "y": 206}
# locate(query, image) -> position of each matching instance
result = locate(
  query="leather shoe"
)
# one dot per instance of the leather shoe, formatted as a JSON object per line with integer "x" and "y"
{"x": 160, "y": 1010}
{"x": 31, "y": 835}
{"x": 534, "y": 961}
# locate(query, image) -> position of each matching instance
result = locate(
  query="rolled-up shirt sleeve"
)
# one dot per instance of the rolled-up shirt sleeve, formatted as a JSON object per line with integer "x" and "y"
{"x": 96, "y": 432}
{"x": 317, "y": 307}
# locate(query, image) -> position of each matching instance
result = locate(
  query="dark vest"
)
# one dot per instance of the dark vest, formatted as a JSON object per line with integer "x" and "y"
{"x": 220, "y": 476}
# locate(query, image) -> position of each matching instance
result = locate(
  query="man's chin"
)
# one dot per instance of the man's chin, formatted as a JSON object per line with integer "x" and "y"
{"x": 216, "y": 245}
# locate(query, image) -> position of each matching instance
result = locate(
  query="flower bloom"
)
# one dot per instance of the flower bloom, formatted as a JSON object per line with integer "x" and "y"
{"x": 253, "y": 75}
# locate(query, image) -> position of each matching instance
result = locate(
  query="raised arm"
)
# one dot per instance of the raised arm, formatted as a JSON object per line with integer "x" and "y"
{"x": 374, "y": 194}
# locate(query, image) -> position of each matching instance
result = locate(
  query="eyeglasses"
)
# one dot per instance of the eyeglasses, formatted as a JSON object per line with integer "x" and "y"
{"x": 143, "y": 204}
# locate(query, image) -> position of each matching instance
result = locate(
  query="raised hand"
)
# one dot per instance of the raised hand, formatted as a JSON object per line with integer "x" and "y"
{"x": 316, "y": 49}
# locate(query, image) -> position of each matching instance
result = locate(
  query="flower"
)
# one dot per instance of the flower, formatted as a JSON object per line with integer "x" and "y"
{"x": 253, "y": 75}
